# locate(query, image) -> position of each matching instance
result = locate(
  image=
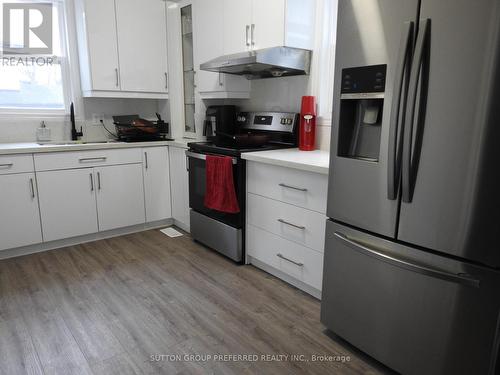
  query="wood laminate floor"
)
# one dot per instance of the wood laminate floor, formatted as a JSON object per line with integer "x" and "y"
{"x": 107, "y": 307}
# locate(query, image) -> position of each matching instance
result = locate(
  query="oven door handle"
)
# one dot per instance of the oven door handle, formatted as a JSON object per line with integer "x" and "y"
{"x": 195, "y": 155}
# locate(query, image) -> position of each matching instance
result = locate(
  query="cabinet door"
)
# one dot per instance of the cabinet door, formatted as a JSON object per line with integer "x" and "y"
{"x": 180, "y": 186}
{"x": 208, "y": 37}
{"x": 142, "y": 45}
{"x": 157, "y": 183}
{"x": 268, "y": 23}
{"x": 120, "y": 196}
{"x": 102, "y": 44}
{"x": 67, "y": 203}
{"x": 237, "y": 16}
{"x": 208, "y": 31}
{"x": 19, "y": 214}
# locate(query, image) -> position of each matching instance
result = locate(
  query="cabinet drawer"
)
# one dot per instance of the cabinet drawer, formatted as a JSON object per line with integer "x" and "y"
{"x": 290, "y": 258}
{"x": 290, "y": 222}
{"x": 81, "y": 159}
{"x": 16, "y": 164}
{"x": 300, "y": 188}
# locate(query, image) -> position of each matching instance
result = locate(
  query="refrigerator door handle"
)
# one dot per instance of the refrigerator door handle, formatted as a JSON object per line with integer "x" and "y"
{"x": 419, "y": 268}
{"x": 398, "y": 104}
{"x": 409, "y": 158}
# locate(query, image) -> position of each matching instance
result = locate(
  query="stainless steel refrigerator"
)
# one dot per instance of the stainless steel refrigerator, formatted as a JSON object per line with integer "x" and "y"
{"x": 412, "y": 255}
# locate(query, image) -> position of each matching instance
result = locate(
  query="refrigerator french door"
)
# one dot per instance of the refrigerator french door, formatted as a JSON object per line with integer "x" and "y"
{"x": 412, "y": 262}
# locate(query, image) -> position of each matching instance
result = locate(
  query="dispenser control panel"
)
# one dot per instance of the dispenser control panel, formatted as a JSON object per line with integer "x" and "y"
{"x": 365, "y": 79}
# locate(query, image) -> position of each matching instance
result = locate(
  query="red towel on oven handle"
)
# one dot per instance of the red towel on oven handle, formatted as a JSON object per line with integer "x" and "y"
{"x": 220, "y": 192}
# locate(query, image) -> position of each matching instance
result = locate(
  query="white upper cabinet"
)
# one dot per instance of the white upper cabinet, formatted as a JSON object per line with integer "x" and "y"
{"x": 142, "y": 45}
{"x": 122, "y": 48}
{"x": 258, "y": 24}
{"x": 97, "y": 45}
{"x": 209, "y": 35}
{"x": 237, "y": 20}
{"x": 268, "y": 23}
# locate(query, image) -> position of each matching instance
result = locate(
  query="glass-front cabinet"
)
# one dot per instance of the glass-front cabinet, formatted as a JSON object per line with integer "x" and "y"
{"x": 188, "y": 70}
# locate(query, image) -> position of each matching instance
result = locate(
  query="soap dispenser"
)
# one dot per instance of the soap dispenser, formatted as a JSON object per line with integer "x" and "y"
{"x": 43, "y": 133}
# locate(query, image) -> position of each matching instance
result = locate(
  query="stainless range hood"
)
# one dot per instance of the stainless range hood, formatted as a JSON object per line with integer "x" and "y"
{"x": 264, "y": 63}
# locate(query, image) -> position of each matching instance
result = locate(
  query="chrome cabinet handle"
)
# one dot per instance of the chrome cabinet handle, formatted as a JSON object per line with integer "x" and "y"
{"x": 253, "y": 34}
{"x": 292, "y": 187}
{"x": 146, "y": 160}
{"x": 98, "y": 180}
{"x": 247, "y": 32}
{"x": 6, "y": 165}
{"x": 117, "y": 77}
{"x": 291, "y": 224}
{"x": 91, "y": 182}
{"x": 220, "y": 79}
{"x": 403, "y": 263}
{"x": 32, "y": 188}
{"x": 289, "y": 260}
{"x": 166, "y": 80}
{"x": 89, "y": 160}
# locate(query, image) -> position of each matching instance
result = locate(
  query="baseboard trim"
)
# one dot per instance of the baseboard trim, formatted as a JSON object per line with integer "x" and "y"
{"x": 316, "y": 293}
{"x": 52, "y": 245}
{"x": 183, "y": 226}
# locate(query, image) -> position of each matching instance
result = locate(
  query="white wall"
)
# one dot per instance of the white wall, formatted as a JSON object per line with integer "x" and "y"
{"x": 22, "y": 127}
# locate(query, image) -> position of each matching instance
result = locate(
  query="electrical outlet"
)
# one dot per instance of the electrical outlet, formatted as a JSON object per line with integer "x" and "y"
{"x": 97, "y": 117}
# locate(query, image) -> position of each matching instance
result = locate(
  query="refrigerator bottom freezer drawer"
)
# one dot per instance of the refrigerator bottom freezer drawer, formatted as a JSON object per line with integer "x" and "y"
{"x": 416, "y": 312}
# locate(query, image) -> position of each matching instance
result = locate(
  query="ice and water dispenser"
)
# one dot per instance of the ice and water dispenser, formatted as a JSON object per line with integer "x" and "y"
{"x": 361, "y": 110}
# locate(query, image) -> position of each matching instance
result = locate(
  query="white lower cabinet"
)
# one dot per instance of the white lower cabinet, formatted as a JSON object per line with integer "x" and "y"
{"x": 286, "y": 223}
{"x": 19, "y": 214}
{"x": 67, "y": 203}
{"x": 297, "y": 261}
{"x": 180, "y": 187}
{"x": 50, "y": 196}
{"x": 120, "y": 196}
{"x": 156, "y": 170}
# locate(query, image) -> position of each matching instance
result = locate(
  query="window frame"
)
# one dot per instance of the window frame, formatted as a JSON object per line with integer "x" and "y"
{"x": 28, "y": 113}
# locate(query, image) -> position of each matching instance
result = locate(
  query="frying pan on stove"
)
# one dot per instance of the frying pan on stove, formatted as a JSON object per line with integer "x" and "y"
{"x": 246, "y": 139}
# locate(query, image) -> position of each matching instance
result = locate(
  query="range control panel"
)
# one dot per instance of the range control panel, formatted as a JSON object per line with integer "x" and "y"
{"x": 269, "y": 121}
{"x": 364, "y": 79}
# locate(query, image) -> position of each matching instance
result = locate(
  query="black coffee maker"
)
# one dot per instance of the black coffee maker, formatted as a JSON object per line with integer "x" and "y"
{"x": 219, "y": 119}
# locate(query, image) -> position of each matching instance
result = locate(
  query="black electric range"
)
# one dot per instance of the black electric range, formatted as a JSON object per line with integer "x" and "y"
{"x": 225, "y": 232}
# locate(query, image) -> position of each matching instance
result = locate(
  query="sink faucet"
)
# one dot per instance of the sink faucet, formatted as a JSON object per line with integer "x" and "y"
{"x": 74, "y": 133}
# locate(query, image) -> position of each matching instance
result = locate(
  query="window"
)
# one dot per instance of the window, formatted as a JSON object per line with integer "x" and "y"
{"x": 32, "y": 82}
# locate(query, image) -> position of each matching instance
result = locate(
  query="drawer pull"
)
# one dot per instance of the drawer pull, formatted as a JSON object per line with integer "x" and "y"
{"x": 6, "y": 165}
{"x": 89, "y": 160}
{"x": 292, "y": 187}
{"x": 291, "y": 224}
{"x": 289, "y": 260}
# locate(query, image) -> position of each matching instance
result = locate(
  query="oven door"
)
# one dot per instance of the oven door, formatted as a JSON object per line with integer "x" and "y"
{"x": 197, "y": 188}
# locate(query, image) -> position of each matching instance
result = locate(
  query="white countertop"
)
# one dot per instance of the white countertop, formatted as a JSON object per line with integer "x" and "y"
{"x": 28, "y": 148}
{"x": 312, "y": 161}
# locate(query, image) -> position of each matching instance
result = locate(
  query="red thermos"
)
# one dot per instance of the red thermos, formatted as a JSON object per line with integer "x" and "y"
{"x": 307, "y": 130}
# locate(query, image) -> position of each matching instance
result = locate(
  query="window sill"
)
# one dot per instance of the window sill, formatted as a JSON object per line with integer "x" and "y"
{"x": 32, "y": 113}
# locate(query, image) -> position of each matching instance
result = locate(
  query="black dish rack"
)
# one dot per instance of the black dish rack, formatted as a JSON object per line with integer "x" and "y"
{"x": 127, "y": 129}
